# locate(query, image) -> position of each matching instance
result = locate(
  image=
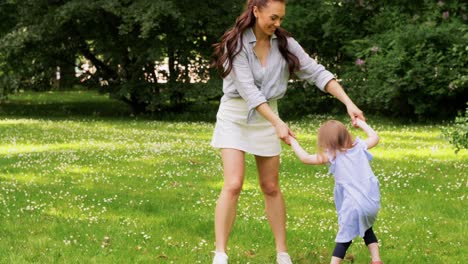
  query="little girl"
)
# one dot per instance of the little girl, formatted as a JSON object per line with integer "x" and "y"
{"x": 356, "y": 193}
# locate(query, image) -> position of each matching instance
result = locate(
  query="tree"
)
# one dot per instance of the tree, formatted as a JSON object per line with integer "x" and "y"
{"x": 404, "y": 57}
{"x": 124, "y": 40}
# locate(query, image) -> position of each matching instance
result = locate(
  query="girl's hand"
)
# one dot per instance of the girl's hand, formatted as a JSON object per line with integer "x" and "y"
{"x": 360, "y": 123}
{"x": 354, "y": 112}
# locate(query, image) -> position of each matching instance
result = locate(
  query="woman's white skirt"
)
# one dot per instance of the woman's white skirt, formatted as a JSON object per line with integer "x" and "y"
{"x": 258, "y": 137}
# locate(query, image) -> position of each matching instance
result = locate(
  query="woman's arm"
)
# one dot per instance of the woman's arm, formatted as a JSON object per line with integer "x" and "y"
{"x": 335, "y": 89}
{"x": 316, "y": 73}
{"x": 243, "y": 80}
{"x": 282, "y": 130}
{"x": 372, "y": 137}
{"x": 306, "y": 158}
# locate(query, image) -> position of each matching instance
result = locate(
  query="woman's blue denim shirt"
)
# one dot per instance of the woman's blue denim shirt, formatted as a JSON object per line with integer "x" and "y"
{"x": 255, "y": 86}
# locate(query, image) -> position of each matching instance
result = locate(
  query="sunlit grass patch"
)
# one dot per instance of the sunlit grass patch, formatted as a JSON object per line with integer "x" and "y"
{"x": 90, "y": 189}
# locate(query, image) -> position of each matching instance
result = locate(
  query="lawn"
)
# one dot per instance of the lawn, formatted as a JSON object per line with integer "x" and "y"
{"x": 83, "y": 181}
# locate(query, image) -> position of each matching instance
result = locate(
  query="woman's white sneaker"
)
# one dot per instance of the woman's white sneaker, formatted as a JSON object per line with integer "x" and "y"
{"x": 220, "y": 258}
{"x": 283, "y": 258}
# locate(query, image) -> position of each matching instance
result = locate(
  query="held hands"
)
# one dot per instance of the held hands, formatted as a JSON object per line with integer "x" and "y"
{"x": 372, "y": 136}
{"x": 355, "y": 113}
{"x": 284, "y": 132}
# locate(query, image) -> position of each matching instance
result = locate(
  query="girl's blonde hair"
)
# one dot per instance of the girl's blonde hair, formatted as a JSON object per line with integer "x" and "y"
{"x": 334, "y": 137}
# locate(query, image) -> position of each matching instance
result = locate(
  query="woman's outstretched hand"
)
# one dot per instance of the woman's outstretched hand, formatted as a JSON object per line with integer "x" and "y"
{"x": 335, "y": 89}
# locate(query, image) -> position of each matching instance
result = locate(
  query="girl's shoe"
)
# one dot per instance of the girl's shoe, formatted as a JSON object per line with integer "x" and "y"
{"x": 220, "y": 258}
{"x": 376, "y": 262}
{"x": 283, "y": 258}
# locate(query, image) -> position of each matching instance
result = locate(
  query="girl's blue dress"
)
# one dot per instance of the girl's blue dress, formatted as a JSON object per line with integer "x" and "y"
{"x": 356, "y": 193}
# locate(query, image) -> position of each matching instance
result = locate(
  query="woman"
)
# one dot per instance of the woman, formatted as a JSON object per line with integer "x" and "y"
{"x": 255, "y": 59}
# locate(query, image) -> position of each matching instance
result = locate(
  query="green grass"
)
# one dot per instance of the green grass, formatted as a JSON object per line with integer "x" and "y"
{"x": 78, "y": 185}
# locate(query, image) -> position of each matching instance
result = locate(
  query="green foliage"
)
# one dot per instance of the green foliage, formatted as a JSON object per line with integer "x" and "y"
{"x": 8, "y": 85}
{"x": 414, "y": 52}
{"x": 417, "y": 67}
{"x": 124, "y": 40}
{"x": 303, "y": 100}
{"x": 399, "y": 58}
{"x": 458, "y": 134}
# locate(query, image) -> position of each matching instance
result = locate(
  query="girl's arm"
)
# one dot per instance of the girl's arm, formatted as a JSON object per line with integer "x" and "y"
{"x": 314, "y": 159}
{"x": 372, "y": 137}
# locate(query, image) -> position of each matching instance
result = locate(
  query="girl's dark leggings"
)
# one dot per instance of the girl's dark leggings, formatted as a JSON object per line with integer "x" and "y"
{"x": 341, "y": 248}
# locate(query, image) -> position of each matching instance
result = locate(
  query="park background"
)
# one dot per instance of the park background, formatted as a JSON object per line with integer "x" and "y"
{"x": 107, "y": 109}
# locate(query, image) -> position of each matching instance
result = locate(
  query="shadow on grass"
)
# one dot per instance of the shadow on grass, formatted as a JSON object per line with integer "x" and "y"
{"x": 59, "y": 105}
{"x": 90, "y": 104}
{"x": 63, "y": 110}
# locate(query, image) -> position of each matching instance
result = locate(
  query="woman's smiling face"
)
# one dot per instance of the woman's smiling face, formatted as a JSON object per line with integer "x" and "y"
{"x": 269, "y": 17}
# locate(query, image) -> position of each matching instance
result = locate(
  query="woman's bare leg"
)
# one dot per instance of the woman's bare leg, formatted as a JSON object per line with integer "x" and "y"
{"x": 226, "y": 207}
{"x": 268, "y": 172}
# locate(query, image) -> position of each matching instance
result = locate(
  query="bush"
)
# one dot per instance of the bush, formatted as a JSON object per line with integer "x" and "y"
{"x": 417, "y": 70}
{"x": 457, "y": 135}
{"x": 411, "y": 62}
{"x": 303, "y": 99}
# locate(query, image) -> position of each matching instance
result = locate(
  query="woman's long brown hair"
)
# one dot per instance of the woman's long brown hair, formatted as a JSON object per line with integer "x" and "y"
{"x": 227, "y": 49}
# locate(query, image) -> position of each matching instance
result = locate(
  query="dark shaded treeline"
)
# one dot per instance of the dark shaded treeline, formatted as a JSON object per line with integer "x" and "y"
{"x": 395, "y": 57}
